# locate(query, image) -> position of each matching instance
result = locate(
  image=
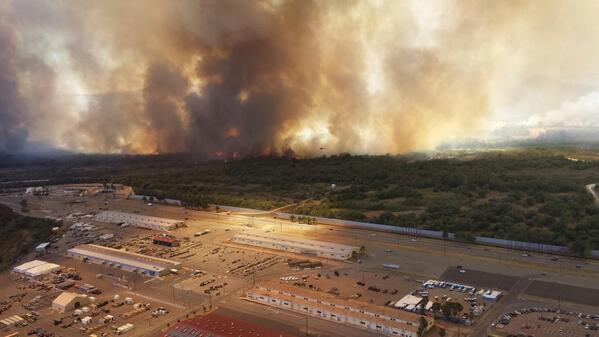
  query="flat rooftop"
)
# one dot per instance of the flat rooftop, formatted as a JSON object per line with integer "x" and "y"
{"x": 122, "y": 216}
{"x": 123, "y": 257}
{"x": 298, "y": 241}
{"x": 359, "y": 309}
{"x": 216, "y": 325}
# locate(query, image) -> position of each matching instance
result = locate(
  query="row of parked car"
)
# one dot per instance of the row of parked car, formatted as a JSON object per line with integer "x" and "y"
{"x": 505, "y": 319}
{"x": 431, "y": 284}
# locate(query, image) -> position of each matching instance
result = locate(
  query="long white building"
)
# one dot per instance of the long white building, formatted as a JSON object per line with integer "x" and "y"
{"x": 298, "y": 245}
{"x": 36, "y": 268}
{"x": 377, "y": 318}
{"x": 120, "y": 259}
{"x": 139, "y": 220}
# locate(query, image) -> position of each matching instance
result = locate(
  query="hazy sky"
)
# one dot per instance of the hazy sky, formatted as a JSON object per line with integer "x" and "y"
{"x": 256, "y": 77}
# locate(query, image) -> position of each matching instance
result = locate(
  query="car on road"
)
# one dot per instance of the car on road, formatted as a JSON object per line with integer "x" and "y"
{"x": 388, "y": 250}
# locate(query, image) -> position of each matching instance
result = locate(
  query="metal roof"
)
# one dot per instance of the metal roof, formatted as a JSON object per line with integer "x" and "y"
{"x": 66, "y": 297}
{"x": 28, "y": 265}
{"x": 114, "y": 216}
{"x": 123, "y": 257}
{"x": 299, "y": 242}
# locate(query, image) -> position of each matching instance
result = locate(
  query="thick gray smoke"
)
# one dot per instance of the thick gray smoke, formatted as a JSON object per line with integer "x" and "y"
{"x": 257, "y": 80}
{"x": 228, "y": 77}
{"x": 13, "y": 132}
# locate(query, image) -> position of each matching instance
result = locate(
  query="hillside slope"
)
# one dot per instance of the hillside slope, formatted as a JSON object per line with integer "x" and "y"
{"x": 19, "y": 234}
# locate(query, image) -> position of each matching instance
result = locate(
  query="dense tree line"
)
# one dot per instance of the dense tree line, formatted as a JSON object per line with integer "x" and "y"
{"x": 528, "y": 195}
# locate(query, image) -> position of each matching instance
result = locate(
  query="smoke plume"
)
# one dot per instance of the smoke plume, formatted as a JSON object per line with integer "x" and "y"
{"x": 12, "y": 128}
{"x": 239, "y": 78}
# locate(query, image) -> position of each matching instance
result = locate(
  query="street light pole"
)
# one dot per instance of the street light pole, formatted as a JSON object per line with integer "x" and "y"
{"x": 307, "y": 334}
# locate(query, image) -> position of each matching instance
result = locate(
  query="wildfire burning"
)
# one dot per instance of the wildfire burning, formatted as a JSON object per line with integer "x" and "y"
{"x": 236, "y": 78}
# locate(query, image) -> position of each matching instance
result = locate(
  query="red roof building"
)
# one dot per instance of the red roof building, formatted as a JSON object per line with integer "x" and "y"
{"x": 216, "y": 325}
{"x": 165, "y": 240}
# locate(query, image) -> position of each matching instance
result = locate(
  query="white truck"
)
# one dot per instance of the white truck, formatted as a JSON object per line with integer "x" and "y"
{"x": 391, "y": 266}
{"x": 124, "y": 329}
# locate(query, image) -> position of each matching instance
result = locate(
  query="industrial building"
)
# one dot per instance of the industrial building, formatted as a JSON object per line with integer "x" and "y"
{"x": 412, "y": 303}
{"x": 133, "y": 262}
{"x": 139, "y": 220}
{"x": 22, "y": 268}
{"x": 297, "y": 245}
{"x": 376, "y": 318}
{"x": 165, "y": 240}
{"x": 68, "y": 301}
{"x": 36, "y": 268}
{"x": 42, "y": 247}
{"x": 216, "y": 325}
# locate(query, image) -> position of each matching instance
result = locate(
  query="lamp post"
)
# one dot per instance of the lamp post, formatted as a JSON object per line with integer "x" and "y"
{"x": 307, "y": 333}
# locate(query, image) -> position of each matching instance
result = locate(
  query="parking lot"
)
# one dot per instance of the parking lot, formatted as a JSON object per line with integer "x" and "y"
{"x": 214, "y": 270}
{"x": 548, "y": 322}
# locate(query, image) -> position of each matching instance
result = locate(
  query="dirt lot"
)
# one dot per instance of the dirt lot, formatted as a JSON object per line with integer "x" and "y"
{"x": 385, "y": 286}
{"x": 36, "y": 298}
{"x": 558, "y": 291}
{"x": 479, "y": 278}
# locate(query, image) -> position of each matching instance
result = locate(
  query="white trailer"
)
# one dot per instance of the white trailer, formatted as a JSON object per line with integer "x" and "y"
{"x": 124, "y": 329}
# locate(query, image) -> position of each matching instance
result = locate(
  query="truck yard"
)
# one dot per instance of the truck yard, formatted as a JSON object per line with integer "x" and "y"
{"x": 214, "y": 273}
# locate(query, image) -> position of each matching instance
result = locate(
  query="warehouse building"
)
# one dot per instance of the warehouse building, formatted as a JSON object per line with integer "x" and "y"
{"x": 120, "y": 259}
{"x": 297, "y": 245}
{"x": 21, "y": 269}
{"x": 371, "y": 317}
{"x": 165, "y": 240}
{"x": 36, "y": 268}
{"x": 139, "y": 220}
{"x": 68, "y": 301}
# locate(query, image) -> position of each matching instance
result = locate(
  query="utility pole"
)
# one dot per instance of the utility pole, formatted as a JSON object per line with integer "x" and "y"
{"x": 559, "y": 302}
{"x": 307, "y": 333}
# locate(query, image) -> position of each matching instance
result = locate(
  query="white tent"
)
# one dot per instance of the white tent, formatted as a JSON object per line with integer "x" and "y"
{"x": 27, "y": 265}
{"x": 492, "y": 295}
{"x": 43, "y": 269}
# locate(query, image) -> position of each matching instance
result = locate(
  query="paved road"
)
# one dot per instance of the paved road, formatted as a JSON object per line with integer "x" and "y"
{"x": 592, "y": 189}
{"x": 482, "y": 326}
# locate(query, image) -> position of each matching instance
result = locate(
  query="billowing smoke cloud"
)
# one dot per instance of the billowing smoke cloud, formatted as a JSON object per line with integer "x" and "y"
{"x": 259, "y": 77}
{"x": 12, "y": 122}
